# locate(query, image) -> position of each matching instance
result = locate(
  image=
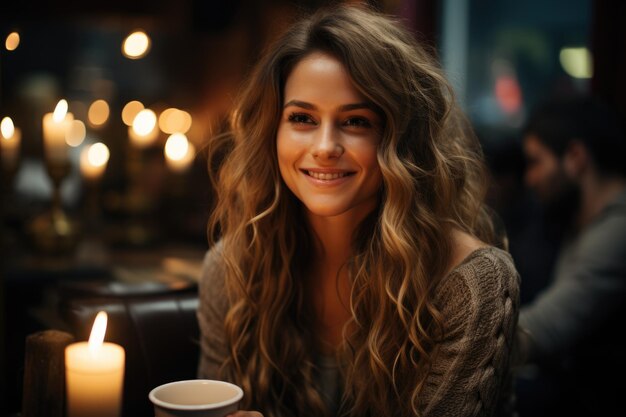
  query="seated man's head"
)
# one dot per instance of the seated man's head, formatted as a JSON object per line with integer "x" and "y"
{"x": 566, "y": 139}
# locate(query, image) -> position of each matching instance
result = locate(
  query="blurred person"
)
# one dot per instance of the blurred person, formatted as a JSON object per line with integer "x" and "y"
{"x": 572, "y": 330}
{"x": 532, "y": 236}
{"x": 356, "y": 272}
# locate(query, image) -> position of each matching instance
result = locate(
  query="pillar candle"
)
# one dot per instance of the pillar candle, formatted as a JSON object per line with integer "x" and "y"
{"x": 179, "y": 153}
{"x": 93, "y": 161}
{"x": 55, "y": 127}
{"x": 11, "y": 148}
{"x": 94, "y": 378}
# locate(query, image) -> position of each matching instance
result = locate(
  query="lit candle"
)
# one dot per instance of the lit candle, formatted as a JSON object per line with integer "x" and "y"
{"x": 144, "y": 130}
{"x": 93, "y": 161}
{"x": 94, "y": 375}
{"x": 9, "y": 143}
{"x": 55, "y": 127}
{"x": 179, "y": 152}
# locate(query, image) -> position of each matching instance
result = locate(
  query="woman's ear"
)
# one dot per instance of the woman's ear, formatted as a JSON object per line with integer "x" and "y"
{"x": 576, "y": 160}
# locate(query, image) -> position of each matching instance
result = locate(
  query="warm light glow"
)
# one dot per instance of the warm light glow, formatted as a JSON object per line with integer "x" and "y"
{"x": 179, "y": 152}
{"x": 55, "y": 130}
{"x": 93, "y": 161}
{"x": 176, "y": 146}
{"x": 136, "y": 45}
{"x": 98, "y": 113}
{"x": 7, "y": 127}
{"x": 60, "y": 111}
{"x": 76, "y": 133}
{"x": 144, "y": 129}
{"x": 174, "y": 121}
{"x": 10, "y": 142}
{"x": 98, "y": 154}
{"x": 144, "y": 122}
{"x": 577, "y": 62}
{"x": 94, "y": 375}
{"x": 97, "y": 332}
{"x": 12, "y": 41}
{"x": 130, "y": 110}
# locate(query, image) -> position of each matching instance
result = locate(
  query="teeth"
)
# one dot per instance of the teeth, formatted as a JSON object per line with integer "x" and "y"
{"x": 327, "y": 176}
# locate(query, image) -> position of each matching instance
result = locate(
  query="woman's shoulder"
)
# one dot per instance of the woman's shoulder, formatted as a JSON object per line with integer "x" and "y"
{"x": 476, "y": 261}
{"x": 486, "y": 260}
{"x": 485, "y": 266}
{"x": 485, "y": 280}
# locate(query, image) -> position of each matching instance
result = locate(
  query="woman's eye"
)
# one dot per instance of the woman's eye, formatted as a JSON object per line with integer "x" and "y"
{"x": 300, "y": 118}
{"x": 358, "y": 122}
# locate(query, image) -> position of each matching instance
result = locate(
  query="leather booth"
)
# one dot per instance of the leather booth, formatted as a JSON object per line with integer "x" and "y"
{"x": 155, "y": 323}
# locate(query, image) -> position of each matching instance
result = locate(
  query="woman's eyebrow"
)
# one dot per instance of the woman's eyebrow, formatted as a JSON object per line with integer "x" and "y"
{"x": 299, "y": 103}
{"x": 357, "y": 106}
{"x": 346, "y": 107}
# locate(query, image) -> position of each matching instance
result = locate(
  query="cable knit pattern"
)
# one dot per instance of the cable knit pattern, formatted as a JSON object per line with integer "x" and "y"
{"x": 470, "y": 375}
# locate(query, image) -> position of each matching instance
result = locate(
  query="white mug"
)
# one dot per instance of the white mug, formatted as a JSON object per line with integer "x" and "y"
{"x": 195, "y": 398}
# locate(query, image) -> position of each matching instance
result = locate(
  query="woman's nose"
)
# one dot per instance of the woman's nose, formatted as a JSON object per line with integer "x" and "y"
{"x": 326, "y": 143}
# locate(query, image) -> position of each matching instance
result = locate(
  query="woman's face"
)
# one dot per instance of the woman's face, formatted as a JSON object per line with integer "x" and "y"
{"x": 327, "y": 140}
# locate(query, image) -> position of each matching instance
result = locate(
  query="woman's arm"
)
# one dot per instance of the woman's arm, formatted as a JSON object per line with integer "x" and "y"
{"x": 470, "y": 373}
{"x": 211, "y": 312}
{"x": 588, "y": 289}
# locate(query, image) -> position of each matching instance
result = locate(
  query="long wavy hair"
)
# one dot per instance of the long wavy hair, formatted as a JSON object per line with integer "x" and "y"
{"x": 433, "y": 181}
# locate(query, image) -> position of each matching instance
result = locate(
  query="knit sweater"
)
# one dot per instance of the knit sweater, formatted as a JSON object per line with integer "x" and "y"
{"x": 470, "y": 375}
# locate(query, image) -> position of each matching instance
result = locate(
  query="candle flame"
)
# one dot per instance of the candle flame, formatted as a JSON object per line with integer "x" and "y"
{"x": 136, "y": 45}
{"x": 97, "y": 331}
{"x": 98, "y": 154}
{"x": 144, "y": 122}
{"x": 7, "y": 128}
{"x": 60, "y": 111}
{"x": 176, "y": 147}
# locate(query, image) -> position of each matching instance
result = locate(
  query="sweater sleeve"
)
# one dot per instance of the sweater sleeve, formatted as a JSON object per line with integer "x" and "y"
{"x": 470, "y": 373}
{"x": 211, "y": 313}
{"x": 589, "y": 288}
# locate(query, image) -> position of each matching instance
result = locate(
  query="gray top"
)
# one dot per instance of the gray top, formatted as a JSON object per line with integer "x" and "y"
{"x": 589, "y": 285}
{"x": 471, "y": 374}
{"x": 328, "y": 381}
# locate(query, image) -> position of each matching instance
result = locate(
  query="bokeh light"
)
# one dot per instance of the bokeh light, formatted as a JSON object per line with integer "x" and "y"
{"x": 76, "y": 133}
{"x": 12, "y": 41}
{"x": 174, "y": 121}
{"x": 136, "y": 45}
{"x": 98, "y": 113}
{"x": 577, "y": 62}
{"x": 130, "y": 110}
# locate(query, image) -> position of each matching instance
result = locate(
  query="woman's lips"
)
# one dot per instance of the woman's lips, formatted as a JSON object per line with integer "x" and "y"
{"x": 327, "y": 176}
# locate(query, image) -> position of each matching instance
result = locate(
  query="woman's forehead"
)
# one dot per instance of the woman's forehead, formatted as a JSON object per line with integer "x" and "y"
{"x": 321, "y": 76}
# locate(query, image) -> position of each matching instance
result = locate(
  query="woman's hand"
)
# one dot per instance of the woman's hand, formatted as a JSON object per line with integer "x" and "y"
{"x": 246, "y": 414}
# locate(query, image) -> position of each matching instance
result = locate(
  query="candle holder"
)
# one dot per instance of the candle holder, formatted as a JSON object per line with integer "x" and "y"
{"x": 92, "y": 248}
{"x": 54, "y": 231}
{"x": 138, "y": 203}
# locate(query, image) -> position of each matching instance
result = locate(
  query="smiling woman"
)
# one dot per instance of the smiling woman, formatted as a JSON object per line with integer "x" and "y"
{"x": 353, "y": 271}
{"x": 327, "y": 141}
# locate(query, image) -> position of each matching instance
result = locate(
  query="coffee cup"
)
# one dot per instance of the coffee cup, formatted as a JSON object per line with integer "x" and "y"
{"x": 195, "y": 398}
